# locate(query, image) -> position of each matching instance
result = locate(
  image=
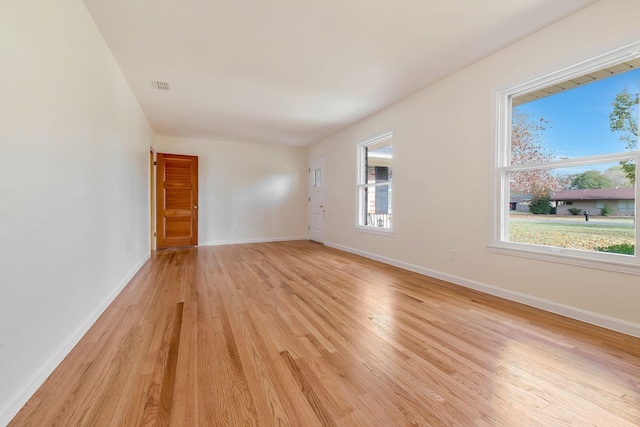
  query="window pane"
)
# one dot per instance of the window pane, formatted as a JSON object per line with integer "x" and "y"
{"x": 589, "y": 208}
{"x": 585, "y": 116}
{"x": 377, "y": 206}
{"x": 317, "y": 177}
{"x": 379, "y": 157}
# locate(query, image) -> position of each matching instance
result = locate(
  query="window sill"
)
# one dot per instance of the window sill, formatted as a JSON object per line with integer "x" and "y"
{"x": 375, "y": 230}
{"x": 600, "y": 261}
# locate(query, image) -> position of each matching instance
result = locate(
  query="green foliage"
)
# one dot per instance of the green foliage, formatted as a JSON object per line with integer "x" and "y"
{"x": 605, "y": 210}
{"x": 574, "y": 211}
{"x": 624, "y": 119}
{"x": 540, "y": 205}
{"x": 590, "y": 180}
{"x": 629, "y": 169}
{"x": 625, "y": 248}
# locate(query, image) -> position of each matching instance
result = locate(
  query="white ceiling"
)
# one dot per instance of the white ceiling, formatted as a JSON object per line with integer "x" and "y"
{"x": 294, "y": 71}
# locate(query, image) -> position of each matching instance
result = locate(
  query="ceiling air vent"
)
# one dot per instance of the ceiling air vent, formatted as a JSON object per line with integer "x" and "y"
{"x": 160, "y": 85}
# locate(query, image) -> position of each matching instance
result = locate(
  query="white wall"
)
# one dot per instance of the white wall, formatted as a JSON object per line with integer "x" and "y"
{"x": 73, "y": 187}
{"x": 443, "y": 145}
{"x": 247, "y": 192}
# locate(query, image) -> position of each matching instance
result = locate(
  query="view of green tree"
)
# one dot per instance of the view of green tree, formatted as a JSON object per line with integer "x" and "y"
{"x": 540, "y": 205}
{"x": 590, "y": 180}
{"x": 624, "y": 119}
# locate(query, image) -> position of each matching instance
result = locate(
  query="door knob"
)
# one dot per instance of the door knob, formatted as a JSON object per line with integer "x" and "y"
{"x": 195, "y": 207}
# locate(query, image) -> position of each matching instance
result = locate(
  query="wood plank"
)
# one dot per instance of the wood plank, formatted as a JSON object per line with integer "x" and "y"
{"x": 294, "y": 333}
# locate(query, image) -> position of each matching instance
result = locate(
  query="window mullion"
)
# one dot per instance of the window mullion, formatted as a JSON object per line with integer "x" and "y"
{"x": 376, "y": 184}
{"x": 581, "y": 161}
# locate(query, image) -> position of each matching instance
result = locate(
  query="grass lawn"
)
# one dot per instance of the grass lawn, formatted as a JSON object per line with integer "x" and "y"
{"x": 550, "y": 231}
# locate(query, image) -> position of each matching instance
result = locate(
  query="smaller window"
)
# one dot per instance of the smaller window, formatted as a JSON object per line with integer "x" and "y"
{"x": 317, "y": 177}
{"x": 375, "y": 178}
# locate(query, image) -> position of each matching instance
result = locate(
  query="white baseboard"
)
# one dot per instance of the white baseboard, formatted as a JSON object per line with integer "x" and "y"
{"x": 35, "y": 381}
{"x": 245, "y": 241}
{"x": 607, "y": 322}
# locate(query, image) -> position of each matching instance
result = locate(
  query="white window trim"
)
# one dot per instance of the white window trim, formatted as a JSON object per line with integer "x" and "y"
{"x": 501, "y": 159}
{"x": 388, "y": 134}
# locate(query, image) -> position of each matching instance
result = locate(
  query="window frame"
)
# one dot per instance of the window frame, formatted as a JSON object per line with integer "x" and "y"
{"x": 361, "y": 185}
{"x": 501, "y": 166}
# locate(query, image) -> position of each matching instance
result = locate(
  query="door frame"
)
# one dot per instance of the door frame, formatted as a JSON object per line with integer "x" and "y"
{"x": 152, "y": 199}
{"x": 311, "y": 180}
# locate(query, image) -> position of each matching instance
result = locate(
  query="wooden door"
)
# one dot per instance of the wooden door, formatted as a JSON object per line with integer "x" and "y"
{"x": 176, "y": 200}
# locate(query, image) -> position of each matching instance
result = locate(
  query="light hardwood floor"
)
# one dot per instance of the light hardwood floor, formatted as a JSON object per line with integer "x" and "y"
{"x": 296, "y": 334}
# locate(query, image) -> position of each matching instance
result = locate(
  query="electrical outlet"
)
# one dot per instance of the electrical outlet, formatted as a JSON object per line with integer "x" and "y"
{"x": 453, "y": 255}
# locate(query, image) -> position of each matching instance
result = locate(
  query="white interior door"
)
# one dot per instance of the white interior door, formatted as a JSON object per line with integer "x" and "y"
{"x": 316, "y": 200}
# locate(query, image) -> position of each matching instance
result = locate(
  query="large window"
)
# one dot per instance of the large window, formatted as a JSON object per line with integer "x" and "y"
{"x": 567, "y": 150}
{"x": 375, "y": 177}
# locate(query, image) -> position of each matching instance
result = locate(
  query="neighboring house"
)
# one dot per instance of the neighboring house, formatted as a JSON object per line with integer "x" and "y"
{"x": 520, "y": 202}
{"x": 621, "y": 201}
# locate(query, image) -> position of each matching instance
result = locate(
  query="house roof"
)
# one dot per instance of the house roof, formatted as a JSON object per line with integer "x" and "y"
{"x": 520, "y": 198}
{"x": 598, "y": 194}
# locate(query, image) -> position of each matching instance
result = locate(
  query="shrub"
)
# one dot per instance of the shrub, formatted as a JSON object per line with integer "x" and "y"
{"x": 575, "y": 211}
{"x": 540, "y": 205}
{"x": 605, "y": 210}
{"x": 624, "y": 248}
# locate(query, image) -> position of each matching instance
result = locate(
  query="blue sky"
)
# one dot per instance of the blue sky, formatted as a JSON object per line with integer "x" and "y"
{"x": 579, "y": 118}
